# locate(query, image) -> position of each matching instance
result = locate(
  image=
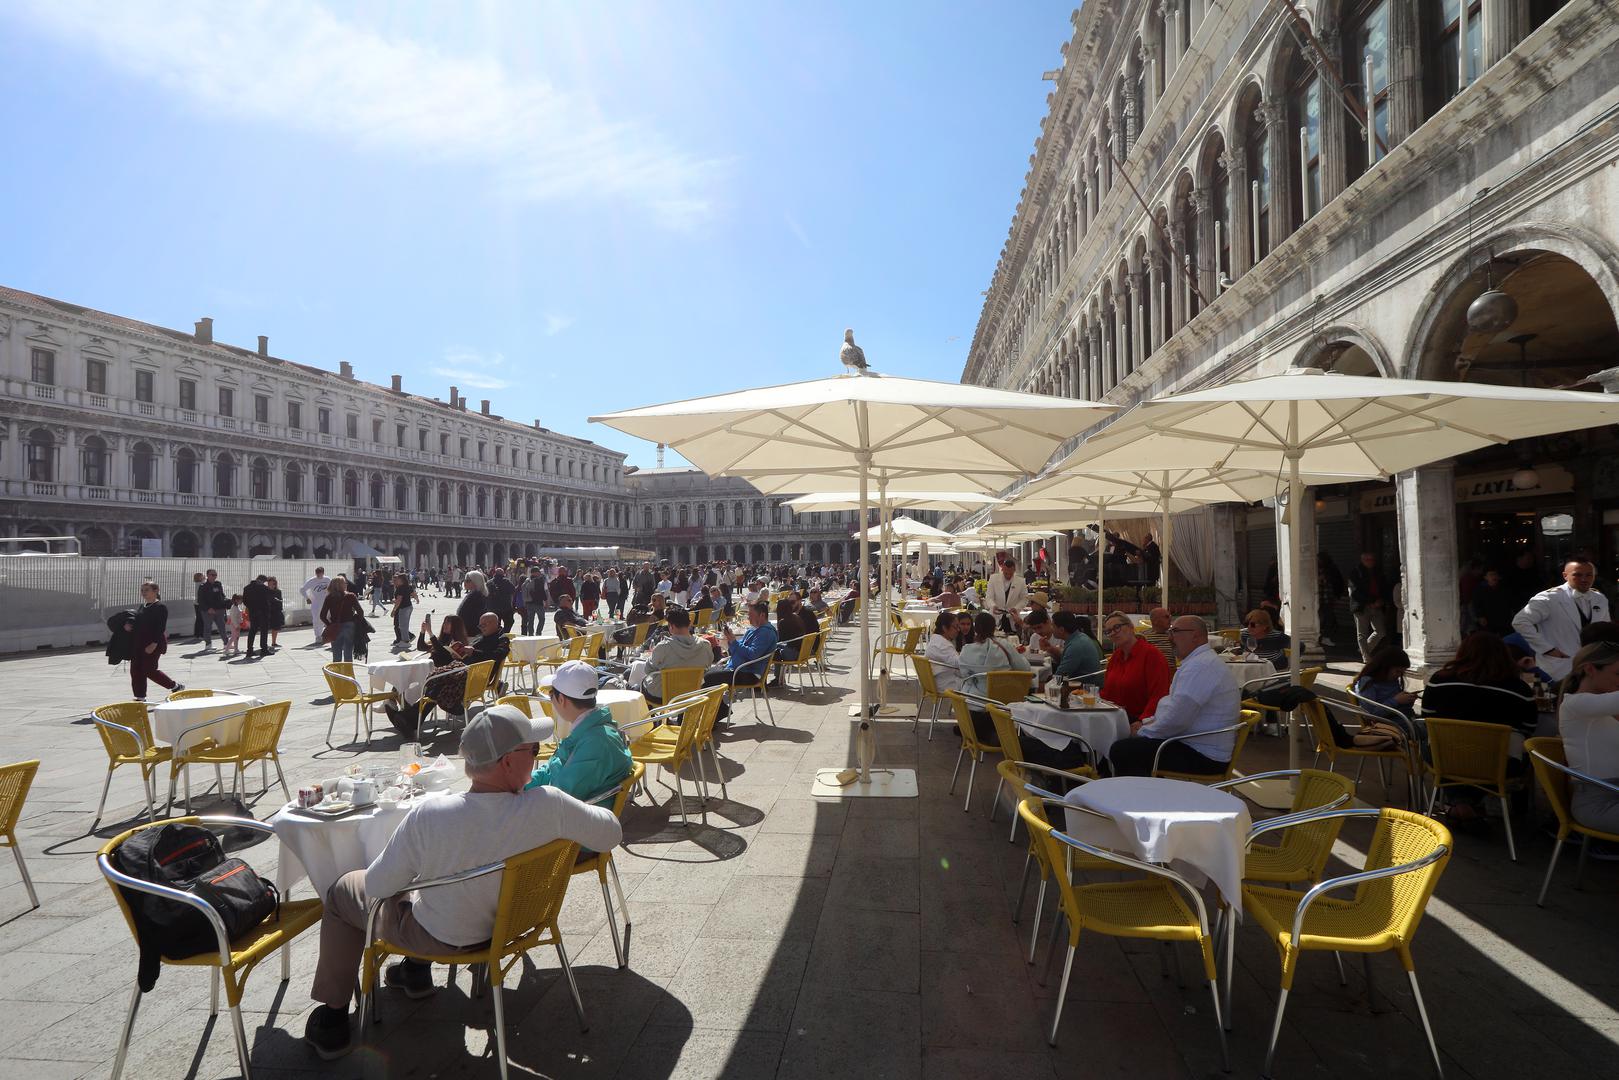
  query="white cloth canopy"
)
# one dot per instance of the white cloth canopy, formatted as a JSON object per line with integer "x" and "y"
{"x": 908, "y": 529}
{"x": 835, "y": 501}
{"x": 855, "y": 429}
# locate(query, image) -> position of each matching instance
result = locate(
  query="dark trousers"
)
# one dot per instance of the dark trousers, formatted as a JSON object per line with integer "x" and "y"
{"x": 721, "y": 675}
{"x": 615, "y": 604}
{"x": 1133, "y": 757}
{"x": 258, "y": 622}
{"x": 533, "y": 621}
{"x": 506, "y": 618}
{"x": 196, "y": 627}
{"x": 143, "y": 666}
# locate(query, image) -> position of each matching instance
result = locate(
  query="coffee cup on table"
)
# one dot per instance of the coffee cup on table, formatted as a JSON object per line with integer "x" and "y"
{"x": 365, "y": 792}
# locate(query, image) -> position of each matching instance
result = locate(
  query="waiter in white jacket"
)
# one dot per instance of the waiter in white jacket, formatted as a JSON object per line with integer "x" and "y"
{"x": 1007, "y": 595}
{"x": 1552, "y": 620}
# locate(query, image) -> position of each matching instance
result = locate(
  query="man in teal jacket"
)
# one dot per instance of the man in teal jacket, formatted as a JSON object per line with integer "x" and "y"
{"x": 594, "y": 756}
{"x": 1081, "y": 656}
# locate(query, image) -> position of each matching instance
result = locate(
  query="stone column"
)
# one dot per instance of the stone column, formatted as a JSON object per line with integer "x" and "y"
{"x": 1155, "y": 292}
{"x": 1241, "y": 219}
{"x": 1405, "y": 73}
{"x": 1299, "y": 612}
{"x": 1168, "y": 11}
{"x": 1506, "y": 22}
{"x": 1150, "y": 60}
{"x": 1177, "y": 273}
{"x": 1138, "y": 344}
{"x": 1426, "y": 503}
{"x": 1334, "y": 122}
{"x": 1227, "y": 604}
{"x": 1207, "y": 255}
{"x": 1282, "y": 181}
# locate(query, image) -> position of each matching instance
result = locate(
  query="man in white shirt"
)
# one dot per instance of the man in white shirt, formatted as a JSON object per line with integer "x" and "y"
{"x": 1203, "y": 697}
{"x": 1552, "y": 620}
{"x": 314, "y": 593}
{"x": 1007, "y": 595}
{"x": 445, "y": 835}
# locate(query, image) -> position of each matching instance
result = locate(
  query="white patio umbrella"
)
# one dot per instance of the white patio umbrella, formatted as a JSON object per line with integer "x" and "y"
{"x": 1308, "y": 422}
{"x": 838, "y": 501}
{"x": 851, "y": 429}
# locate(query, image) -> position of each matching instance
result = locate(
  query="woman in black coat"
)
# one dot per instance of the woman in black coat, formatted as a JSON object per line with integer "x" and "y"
{"x": 150, "y": 629}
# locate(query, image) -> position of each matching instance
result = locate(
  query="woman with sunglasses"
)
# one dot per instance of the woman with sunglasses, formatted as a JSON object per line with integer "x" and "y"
{"x": 1261, "y": 638}
{"x": 1137, "y": 673}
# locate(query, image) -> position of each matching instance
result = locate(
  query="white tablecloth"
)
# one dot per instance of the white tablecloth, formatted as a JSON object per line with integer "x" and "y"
{"x": 1198, "y": 831}
{"x": 1244, "y": 670}
{"x": 1101, "y": 727}
{"x": 526, "y": 649}
{"x": 170, "y": 718}
{"x": 919, "y": 616}
{"x": 324, "y": 851}
{"x": 406, "y": 676}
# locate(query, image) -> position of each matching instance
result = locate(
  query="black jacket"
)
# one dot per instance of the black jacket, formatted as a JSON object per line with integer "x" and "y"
{"x": 1361, "y": 587}
{"x": 211, "y": 596}
{"x": 501, "y": 595}
{"x": 256, "y": 598}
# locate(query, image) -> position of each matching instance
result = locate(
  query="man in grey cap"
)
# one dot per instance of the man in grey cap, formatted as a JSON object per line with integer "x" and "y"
{"x": 444, "y": 835}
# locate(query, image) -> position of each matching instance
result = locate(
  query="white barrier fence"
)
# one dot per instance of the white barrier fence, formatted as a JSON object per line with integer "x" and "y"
{"x": 62, "y": 601}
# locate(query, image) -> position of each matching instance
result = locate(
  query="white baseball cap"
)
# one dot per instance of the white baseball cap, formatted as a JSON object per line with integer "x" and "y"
{"x": 575, "y": 679}
{"x": 496, "y": 731}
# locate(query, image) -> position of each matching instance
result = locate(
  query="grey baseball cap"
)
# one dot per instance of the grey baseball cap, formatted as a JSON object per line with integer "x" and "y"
{"x": 496, "y": 731}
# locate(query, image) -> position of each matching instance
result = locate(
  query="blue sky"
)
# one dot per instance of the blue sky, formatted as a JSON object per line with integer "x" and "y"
{"x": 566, "y": 208}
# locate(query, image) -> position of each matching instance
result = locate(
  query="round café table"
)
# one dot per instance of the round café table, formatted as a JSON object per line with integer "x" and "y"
{"x": 171, "y": 718}
{"x": 324, "y": 851}
{"x": 408, "y": 677}
{"x": 1100, "y": 726}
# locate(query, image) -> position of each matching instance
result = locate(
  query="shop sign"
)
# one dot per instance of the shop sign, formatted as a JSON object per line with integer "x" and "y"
{"x": 1554, "y": 480}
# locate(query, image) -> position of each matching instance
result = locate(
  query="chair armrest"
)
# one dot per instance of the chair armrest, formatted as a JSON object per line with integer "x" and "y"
{"x": 1238, "y": 726}
{"x": 181, "y": 738}
{"x": 140, "y": 743}
{"x": 1301, "y": 817}
{"x": 765, "y": 659}
{"x": 1575, "y": 773}
{"x": 376, "y": 903}
{"x": 1195, "y": 895}
{"x": 1333, "y": 884}
{"x": 1273, "y": 774}
{"x": 1059, "y": 774}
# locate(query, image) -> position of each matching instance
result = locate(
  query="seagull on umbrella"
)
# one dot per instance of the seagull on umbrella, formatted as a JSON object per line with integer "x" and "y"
{"x": 852, "y": 355}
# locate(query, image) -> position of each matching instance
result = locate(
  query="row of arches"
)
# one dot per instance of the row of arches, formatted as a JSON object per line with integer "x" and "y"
{"x": 1283, "y": 147}
{"x": 694, "y": 554}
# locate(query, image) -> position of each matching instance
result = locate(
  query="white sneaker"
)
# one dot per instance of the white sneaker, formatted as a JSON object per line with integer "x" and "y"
{"x": 1328, "y": 642}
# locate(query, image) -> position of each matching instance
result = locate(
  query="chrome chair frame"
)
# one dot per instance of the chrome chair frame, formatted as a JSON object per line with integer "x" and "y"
{"x": 1585, "y": 838}
{"x": 148, "y": 781}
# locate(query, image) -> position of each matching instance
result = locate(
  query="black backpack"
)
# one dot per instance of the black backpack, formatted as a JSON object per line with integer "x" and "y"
{"x": 191, "y": 859}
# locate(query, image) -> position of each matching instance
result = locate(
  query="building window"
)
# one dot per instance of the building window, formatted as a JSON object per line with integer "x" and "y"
{"x": 481, "y": 446}
{"x": 401, "y": 494}
{"x": 531, "y": 461}
{"x": 444, "y": 498}
{"x": 351, "y": 488}
{"x": 41, "y": 455}
{"x": 351, "y": 425}
{"x": 1304, "y": 148}
{"x": 758, "y": 512}
{"x": 498, "y": 450}
{"x": 143, "y": 467}
{"x": 144, "y": 390}
{"x": 378, "y": 491}
{"x": 399, "y": 435}
{"x": 444, "y": 444}
{"x": 227, "y": 401}
{"x": 1220, "y": 207}
{"x": 43, "y": 365}
{"x": 702, "y": 513}
{"x": 323, "y": 486}
{"x": 188, "y": 394}
{"x": 259, "y": 478}
{"x": 295, "y": 415}
{"x": 663, "y": 516}
{"x": 1259, "y": 187}
{"x": 225, "y": 475}
{"x": 1444, "y": 76}
{"x": 293, "y": 484}
{"x": 463, "y": 448}
{"x": 685, "y": 515}
{"x": 95, "y": 461}
{"x": 185, "y": 471}
{"x": 376, "y": 430}
{"x": 421, "y": 439}
{"x": 323, "y": 421}
{"x": 95, "y": 376}
{"x": 261, "y": 408}
{"x": 1366, "y": 58}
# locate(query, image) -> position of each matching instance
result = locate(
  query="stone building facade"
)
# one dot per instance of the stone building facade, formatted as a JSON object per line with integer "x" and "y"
{"x": 117, "y": 431}
{"x": 687, "y": 516}
{"x": 1233, "y": 187}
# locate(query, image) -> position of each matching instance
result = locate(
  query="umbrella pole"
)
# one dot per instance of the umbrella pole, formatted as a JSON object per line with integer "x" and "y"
{"x": 1101, "y": 560}
{"x": 885, "y": 580}
{"x": 1163, "y": 556}
{"x": 1295, "y": 493}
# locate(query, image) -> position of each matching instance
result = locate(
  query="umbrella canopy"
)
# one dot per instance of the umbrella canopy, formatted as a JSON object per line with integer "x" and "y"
{"x": 850, "y": 430}
{"x": 835, "y": 501}
{"x": 907, "y": 529}
{"x": 1306, "y": 421}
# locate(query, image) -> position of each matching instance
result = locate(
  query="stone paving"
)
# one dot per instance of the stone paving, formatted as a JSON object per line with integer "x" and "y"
{"x": 787, "y": 937}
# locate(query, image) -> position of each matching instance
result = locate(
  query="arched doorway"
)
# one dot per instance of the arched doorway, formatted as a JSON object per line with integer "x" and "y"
{"x": 775, "y": 552}
{"x": 1534, "y": 501}
{"x": 258, "y": 544}
{"x": 224, "y": 546}
{"x": 757, "y": 553}
{"x": 95, "y": 541}
{"x": 292, "y": 551}
{"x": 738, "y": 553}
{"x": 815, "y": 553}
{"x": 463, "y": 554}
{"x": 185, "y": 545}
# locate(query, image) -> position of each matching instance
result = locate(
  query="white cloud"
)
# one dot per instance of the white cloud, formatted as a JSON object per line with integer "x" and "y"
{"x": 466, "y": 356}
{"x": 797, "y": 230}
{"x": 472, "y": 379}
{"x": 471, "y": 368}
{"x": 294, "y": 63}
{"x": 555, "y": 324}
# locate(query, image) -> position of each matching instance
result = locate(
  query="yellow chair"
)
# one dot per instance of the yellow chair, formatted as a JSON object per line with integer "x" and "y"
{"x": 1321, "y": 729}
{"x": 702, "y": 618}
{"x": 570, "y": 648}
{"x": 345, "y": 688}
{"x": 803, "y": 662}
{"x": 14, "y": 783}
{"x": 672, "y": 752}
{"x": 820, "y": 653}
{"x": 259, "y": 740}
{"x": 188, "y": 695}
{"x": 756, "y": 690}
{"x": 929, "y": 691}
{"x": 595, "y": 647}
{"x": 1552, "y": 769}
{"x": 971, "y": 745}
{"x": 903, "y": 643}
{"x": 1247, "y": 719}
{"x": 1008, "y": 686}
{"x": 1305, "y": 848}
{"x": 1465, "y": 753}
{"x": 232, "y": 960}
{"x": 680, "y": 681}
{"x": 602, "y": 862}
{"x": 1036, "y": 856}
{"x": 1013, "y": 768}
{"x": 126, "y": 735}
{"x": 532, "y": 888}
{"x": 639, "y": 633}
{"x": 1160, "y": 906}
{"x": 1408, "y": 852}
{"x": 704, "y": 739}
{"x": 524, "y": 704}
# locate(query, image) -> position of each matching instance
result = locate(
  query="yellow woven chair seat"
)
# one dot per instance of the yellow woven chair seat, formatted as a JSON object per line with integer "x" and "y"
{"x": 154, "y": 755}
{"x": 264, "y": 939}
{"x": 651, "y": 751}
{"x": 1143, "y": 908}
{"x": 1271, "y": 862}
{"x": 1339, "y": 925}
